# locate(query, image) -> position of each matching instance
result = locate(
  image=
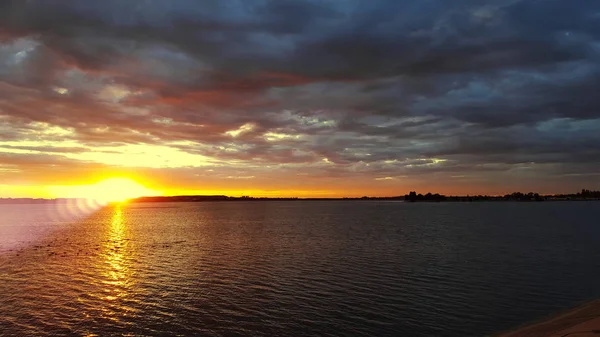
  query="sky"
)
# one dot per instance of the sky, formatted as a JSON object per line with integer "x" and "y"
{"x": 300, "y": 98}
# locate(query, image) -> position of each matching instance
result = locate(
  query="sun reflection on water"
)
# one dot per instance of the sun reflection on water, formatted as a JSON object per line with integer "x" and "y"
{"x": 115, "y": 271}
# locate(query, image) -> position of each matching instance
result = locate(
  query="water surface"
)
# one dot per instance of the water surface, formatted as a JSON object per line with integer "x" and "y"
{"x": 332, "y": 268}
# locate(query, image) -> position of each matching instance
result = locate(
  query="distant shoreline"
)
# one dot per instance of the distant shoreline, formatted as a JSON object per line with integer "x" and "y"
{"x": 409, "y": 198}
{"x": 397, "y": 198}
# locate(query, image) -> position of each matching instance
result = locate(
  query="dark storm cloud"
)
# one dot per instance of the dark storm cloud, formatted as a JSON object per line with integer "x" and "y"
{"x": 341, "y": 40}
{"x": 350, "y": 82}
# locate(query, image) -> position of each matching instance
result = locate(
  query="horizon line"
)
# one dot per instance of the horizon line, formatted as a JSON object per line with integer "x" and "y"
{"x": 308, "y": 198}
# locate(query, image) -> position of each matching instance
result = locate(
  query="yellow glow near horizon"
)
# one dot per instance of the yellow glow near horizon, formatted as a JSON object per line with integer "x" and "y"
{"x": 107, "y": 190}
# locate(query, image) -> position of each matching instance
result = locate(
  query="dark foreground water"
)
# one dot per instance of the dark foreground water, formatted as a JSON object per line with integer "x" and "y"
{"x": 294, "y": 268}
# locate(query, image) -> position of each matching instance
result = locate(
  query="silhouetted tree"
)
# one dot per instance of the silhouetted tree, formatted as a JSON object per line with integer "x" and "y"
{"x": 412, "y": 196}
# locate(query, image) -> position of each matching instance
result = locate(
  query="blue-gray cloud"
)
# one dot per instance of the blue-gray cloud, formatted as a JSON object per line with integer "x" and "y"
{"x": 476, "y": 83}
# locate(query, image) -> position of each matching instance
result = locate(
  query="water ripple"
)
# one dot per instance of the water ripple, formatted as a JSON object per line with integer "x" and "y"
{"x": 326, "y": 269}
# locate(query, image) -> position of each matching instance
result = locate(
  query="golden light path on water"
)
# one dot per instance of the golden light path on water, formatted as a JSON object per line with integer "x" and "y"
{"x": 114, "y": 270}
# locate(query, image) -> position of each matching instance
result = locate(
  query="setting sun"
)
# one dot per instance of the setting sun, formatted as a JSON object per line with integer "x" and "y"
{"x": 107, "y": 190}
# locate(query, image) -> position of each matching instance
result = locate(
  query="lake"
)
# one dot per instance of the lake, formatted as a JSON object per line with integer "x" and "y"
{"x": 296, "y": 268}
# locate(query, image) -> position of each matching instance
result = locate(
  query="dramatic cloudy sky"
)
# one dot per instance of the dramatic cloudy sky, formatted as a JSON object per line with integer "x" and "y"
{"x": 304, "y": 97}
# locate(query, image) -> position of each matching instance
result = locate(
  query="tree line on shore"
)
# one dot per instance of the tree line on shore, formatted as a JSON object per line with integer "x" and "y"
{"x": 411, "y": 197}
{"x": 515, "y": 196}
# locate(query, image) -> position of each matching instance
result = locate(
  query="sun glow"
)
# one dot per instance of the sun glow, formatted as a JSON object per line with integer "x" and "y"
{"x": 106, "y": 191}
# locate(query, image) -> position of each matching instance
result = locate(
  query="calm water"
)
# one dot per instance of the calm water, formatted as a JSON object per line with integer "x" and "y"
{"x": 294, "y": 268}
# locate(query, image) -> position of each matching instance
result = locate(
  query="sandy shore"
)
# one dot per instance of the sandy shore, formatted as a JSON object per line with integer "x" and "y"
{"x": 582, "y": 321}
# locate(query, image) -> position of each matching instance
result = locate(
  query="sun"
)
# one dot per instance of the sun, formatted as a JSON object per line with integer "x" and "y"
{"x": 118, "y": 190}
{"x": 108, "y": 190}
